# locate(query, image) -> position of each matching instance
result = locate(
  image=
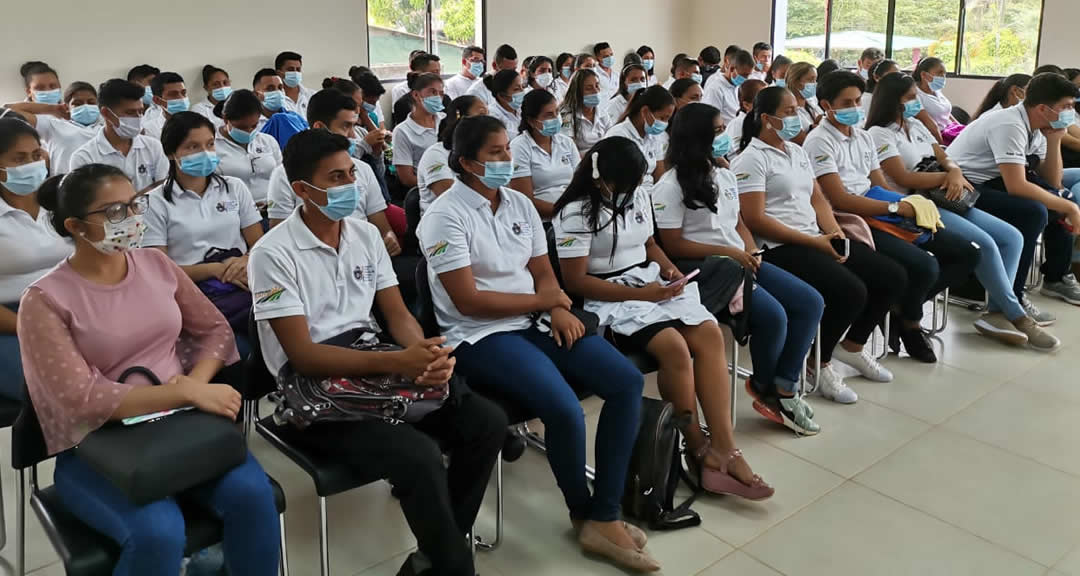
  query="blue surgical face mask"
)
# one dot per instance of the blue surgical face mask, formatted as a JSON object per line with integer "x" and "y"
{"x": 220, "y": 94}
{"x": 738, "y": 80}
{"x": 497, "y": 174}
{"x": 200, "y": 164}
{"x": 477, "y": 68}
{"x": 374, "y": 117}
{"x": 847, "y": 116}
{"x": 86, "y": 114}
{"x": 809, "y": 90}
{"x": 759, "y": 65}
{"x": 608, "y": 61}
{"x": 241, "y": 136}
{"x": 912, "y": 108}
{"x": 47, "y": 96}
{"x": 274, "y": 101}
{"x": 780, "y": 82}
{"x": 937, "y": 83}
{"x": 293, "y": 78}
{"x": 721, "y": 145}
{"x": 352, "y": 148}
{"x": 369, "y": 107}
{"x": 656, "y": 128}
{"x": 565, "y": 71}
{"x": 148, "y": 96}
{"x": 341, "y": 201}
{"x": 433, "y": 104}
{"x": 696, "y": 77}
{"x": 792, "y": 127}
{"x": 648, "y": 64}
{"x": 551, "y": 127}
{"x": 591, "y": 100}
{"x": 1065, "y": 119}
{"x": 544, "y": 80}
{"x": 24, "y": 180}
{"x": 633, "y": 87}
{"x": 177, "y": 106}
{"x": 516, "y": 100}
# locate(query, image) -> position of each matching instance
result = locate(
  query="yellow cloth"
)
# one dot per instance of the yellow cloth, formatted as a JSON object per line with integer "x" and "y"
{"x": 926, "y": 212}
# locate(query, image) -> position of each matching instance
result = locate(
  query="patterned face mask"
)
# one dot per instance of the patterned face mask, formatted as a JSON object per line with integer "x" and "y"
{"x": 122, "y": 236}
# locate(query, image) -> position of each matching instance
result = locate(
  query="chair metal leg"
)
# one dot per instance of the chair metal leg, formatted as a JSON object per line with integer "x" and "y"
{"x": 324, "y": 545}
{"x": 20, "y": 528}
{"x": 938, "y": 327}
{"x": 284, "y": 550}
{"x": 805, "y": 387}
{"x": 3, "y": 522}
{"x": 885, "y": 336}
{"x": 734, "y": 378}
{"x": 477, "y": 542}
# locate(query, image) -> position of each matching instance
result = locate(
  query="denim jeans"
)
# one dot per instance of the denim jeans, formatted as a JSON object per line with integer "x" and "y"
{"x": 528, "y": 368}
{"x": 152, "y": 536}
{"x": 785, "y": 313}
{"x": 11, "y": 372}
{"x": 1071, "y": 180}
{"x": 1000, "y": 245}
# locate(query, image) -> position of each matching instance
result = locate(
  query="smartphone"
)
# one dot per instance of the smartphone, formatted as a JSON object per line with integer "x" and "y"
{"x": 842, "y": 246}
{"x": 684, "y": 279}
{"x": 153, "y": 416}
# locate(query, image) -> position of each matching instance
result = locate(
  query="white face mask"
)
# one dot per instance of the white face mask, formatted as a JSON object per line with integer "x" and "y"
{"x": 127, "y": 128}
{"x": 121, "y": 237}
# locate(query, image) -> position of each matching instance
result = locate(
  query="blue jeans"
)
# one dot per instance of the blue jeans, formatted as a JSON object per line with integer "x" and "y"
{"x": 1000, "y": 245}
{"x": 1070, "y": 179}
{"x": 152, "y": 536}
{"x": 784, "y": 316}
{"x": 527, "y": 368}
{"x": 11, "y": 372}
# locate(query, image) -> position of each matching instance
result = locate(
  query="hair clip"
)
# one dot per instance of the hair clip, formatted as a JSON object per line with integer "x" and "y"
{"x": 596, "y": 165}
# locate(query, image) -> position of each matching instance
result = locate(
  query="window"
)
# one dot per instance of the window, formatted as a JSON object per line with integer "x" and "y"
{"x": 442, "y": 27}
{"x": 973, "y": 37}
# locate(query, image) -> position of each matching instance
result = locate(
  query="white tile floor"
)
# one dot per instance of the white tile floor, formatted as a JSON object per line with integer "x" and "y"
{"x": 967, "y": 467}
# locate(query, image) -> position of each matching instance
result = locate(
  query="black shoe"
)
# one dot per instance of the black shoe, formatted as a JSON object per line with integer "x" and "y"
{"x": 894, "y": 333}
{"x": 513, "y": 446}
{"x": 918, "y": 345}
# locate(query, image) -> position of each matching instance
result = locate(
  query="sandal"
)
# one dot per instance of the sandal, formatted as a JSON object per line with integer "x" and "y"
{"x": 722, "y": 483}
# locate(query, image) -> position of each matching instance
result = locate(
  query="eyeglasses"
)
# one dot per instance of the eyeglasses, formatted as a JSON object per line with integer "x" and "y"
{"x": 118, "y": 212}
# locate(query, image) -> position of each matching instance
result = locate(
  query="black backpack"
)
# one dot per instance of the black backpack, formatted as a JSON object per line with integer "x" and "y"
{"x": 655, "y": 470}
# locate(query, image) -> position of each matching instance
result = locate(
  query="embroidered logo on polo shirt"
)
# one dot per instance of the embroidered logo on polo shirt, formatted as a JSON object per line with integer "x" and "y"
{"x": 258, "y": 150}
{"x": 364, "y": 273}
{"x": 142, "y": 169}
{"x": 230, "y": 206}
{"x": 519, "y": 228}
{"x": 659, "y": 206}
{"x": 566, "y": 160}
{"x": 438, "y": 249}
{"x": 821, "y": 159}
{"x": 883, "y": 148}
{"x": 268, "y": 296}
{"x": 729, "y": 193}
{"x": 435, "y": 168}
{"x": 639, "y": 217}
{"x": 742, "y": 177}
{"x": 566, "y": 242}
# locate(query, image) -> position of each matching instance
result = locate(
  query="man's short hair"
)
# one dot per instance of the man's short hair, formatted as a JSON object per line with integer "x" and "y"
{"x": 306, "y": 149}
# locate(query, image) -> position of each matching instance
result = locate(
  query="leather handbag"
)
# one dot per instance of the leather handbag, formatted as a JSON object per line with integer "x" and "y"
{"x": 157, "y": 459}
{"x": 938, "y": 196}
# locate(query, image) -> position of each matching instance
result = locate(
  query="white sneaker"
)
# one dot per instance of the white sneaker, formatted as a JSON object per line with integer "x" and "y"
{"x": 864, "y": 362}
{"x": 832, "y": 387}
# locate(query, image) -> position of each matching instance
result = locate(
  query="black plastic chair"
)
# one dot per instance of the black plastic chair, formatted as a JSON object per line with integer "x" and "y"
{"x": 410, "y": 244}
{"x": 84, "y": 551}
{"x": 9, "y": 412}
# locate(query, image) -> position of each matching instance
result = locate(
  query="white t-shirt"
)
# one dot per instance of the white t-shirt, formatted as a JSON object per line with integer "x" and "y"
{"x": 191, "y": 225}
{"x": 31, "y": 248}
{"x": 550, "y": 173}
{"x": 293, "y": 273}
{"x": 434, "y": 167}
{"x": 852, "y": 157}
{"x": 253, "y": 163}
{"x": 412, "y": 139}
{"x": 574, "y": 238}
{"x": 651, "y": 146}
{"x": 787, "y": 181}
{"x": 589, "y": 132}
{"x": 613, "y": 109}
{"x": 998, "y": 137}
{"x": 512, "y": 120}
{"x": 937, "y": 106}
{"x": 457, "y": 85}
{"x": 911, "y": 146}
{"x": 206, "y": 109}
{"x": 62, "y": 138}
{"x": 458, "y": 230}
{"x": 282, "y": 201}
{"x": 700, "y": 224}
{"x": 144, "y": 164}
{"x": 721, "y": 93}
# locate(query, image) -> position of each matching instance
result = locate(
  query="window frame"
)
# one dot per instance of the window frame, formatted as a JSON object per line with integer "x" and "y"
{"x": 429, "y": 38}
{"x": 955, "y": 72}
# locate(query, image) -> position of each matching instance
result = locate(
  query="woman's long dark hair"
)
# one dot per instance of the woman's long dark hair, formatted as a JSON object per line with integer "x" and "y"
{"x": 623, "y": 90}
{"x": 531, "y": 106}
{"x": 469, "y": 137}
{"x": 70, "y": 195}
{"x": 875, "y": 72}
{"x": 926, "y": 65}
{"x": 766, "y": 102}
{"x": 174, "y": 133}
{"x": 654, "y": 98}
{"x": 886, "y": 107}
{"x": 574, "y": 101}
{"x": 501, "y": 82}
{"x": 458, "y": 109}
{"x": 241, "y": 103}
{"x": 999, "y": 92}
{"x": 690, "y": 154}
{"x": 621, "y": 166}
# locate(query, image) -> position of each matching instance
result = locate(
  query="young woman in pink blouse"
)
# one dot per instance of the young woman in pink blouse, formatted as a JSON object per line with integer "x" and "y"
{"x": 107, "y": 308}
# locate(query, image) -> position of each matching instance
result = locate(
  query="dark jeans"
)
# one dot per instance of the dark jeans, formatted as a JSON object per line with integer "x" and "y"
{"x": 439, "y": 504}
{"x": 527, "y": 368}
{"x": 1031, "y": 218}
{"x": 857, "y": 293}
{"x": 784, "y": 316}
{"x": 11, "y": 372}
{"x": 953, "y": 261}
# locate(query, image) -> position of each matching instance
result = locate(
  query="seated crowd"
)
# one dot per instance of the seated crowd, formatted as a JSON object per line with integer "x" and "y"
{"x": 850, "y": 198}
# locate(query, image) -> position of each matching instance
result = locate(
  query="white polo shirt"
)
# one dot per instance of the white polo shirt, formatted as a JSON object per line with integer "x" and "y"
{"x": 721, "y": 93}
{"x": 206, "y": 109}
{"x": 411, "y": 140}
{"x": 512, "y": 120}
{"x": 937, "y": 106}
{"x": 550, "y": 173}
{"x": 301, "y": 103}
{"x": 613, "y": 109}
{"x": 281, "y": 201}
{"x": 589, "y": 132}
{"x": 561, "y": 88}
{"x": 481, "y": 91}
{"x": 700, "y": 224}
{"x": 852, "y": 157}
{"x": 998, "y": 137}
{"x": 253, "y": 163}
{"x": 911, "y": 146}
{"x": 734, "y": 131}
{"x": 806, "y": 117}
{"x": 434, "y": 167}
{"x": 574, "y": 239}
{"x": 153, "y": 122}
{"x": 293, "y": 273}
{"x": 457, "y": 85}
{"x": 609, "y": 82}
{"x": 787, "y": 181}
{"x": 144, "y": 164}
{"x": 190, "y": 225}
{"x": 651, "y": 146}
{"x": 62, "y": 138}
{"x": 31, "y": 248}
{"x": 458, "y": 230}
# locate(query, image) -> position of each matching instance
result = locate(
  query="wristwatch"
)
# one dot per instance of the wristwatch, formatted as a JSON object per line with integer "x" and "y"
{"x": 894, "y": 207}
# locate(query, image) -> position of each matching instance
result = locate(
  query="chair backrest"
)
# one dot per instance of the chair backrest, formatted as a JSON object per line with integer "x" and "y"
{"x": 258, "y": 381}
{"x": 428, "y": 321}
{"x": 553, "y": 253}
{"x": 27, "y": 441}
{"x": 410, "y": 243}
